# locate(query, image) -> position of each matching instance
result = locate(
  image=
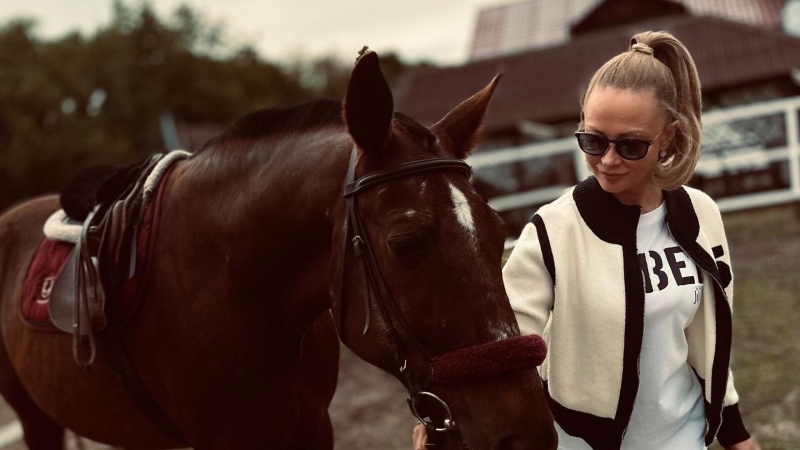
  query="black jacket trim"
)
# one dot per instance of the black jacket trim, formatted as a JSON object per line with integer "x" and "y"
{"x": 732, "y": 430}
{"x": 616, "y": 223}
{"x": 685, "y": 228}
{"x": 599, "y": 433}
{"x": 608, "y": 219}
{"x": 544, "y": 243}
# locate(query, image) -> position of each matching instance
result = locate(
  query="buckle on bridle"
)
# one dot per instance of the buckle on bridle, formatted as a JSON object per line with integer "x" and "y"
{"x": 358, "y": 246}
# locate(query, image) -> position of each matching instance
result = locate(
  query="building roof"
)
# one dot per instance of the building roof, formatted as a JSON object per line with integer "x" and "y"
{"x": 618, "y": 12}
{"x": 529, "y": 24}
{"x": 545, "y": 85}
{"x": 524, "y": 25}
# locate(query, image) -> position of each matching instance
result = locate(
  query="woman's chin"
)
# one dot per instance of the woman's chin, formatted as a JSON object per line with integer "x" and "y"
{"x": 611, "y": 185}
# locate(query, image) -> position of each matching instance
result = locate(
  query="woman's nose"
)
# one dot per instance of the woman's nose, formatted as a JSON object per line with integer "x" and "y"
{"x": 611, "y": 157}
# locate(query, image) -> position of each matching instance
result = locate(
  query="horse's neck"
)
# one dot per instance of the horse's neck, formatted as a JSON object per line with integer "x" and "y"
{"x": 268, "y": 210}
{"x": 301, "y": 172}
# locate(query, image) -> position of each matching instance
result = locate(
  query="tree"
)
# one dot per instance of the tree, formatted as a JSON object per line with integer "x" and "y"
{"x": 77, "y": 101}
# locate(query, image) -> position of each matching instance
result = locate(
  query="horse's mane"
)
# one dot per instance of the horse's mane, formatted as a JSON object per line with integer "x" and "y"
{"x": 306, "y": 116}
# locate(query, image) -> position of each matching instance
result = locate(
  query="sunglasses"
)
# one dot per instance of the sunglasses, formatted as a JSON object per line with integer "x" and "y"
{"x": 630, "y": 149}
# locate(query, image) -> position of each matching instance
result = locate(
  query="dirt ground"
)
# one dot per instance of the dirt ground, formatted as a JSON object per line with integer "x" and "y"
{"x": 369, "y": 409}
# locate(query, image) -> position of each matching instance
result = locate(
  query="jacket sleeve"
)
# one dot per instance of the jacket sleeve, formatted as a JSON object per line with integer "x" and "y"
{"x": 732, "y": 430}
{"x": 528, "y": 282}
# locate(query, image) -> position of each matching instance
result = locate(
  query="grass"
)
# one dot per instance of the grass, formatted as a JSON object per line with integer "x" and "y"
{"x": 765, "y": 254}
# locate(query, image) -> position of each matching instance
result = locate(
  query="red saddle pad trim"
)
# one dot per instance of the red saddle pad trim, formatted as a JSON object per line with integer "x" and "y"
{"x": 51, "y": 256}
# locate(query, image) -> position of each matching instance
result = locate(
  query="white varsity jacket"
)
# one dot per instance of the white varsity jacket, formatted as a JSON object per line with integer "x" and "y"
{"x": 574, "y": 278}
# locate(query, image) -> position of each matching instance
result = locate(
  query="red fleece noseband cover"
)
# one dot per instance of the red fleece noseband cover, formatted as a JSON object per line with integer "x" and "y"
{"x": 493, "y": 358}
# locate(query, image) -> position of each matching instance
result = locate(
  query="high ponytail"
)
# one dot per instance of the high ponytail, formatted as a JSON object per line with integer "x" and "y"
{"x": 657, "y": 61}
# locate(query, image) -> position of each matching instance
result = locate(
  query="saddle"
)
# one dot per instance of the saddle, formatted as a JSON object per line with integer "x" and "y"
{"x": 103, "y": 258}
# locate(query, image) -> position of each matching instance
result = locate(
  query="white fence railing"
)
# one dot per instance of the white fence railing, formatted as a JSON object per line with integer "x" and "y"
{"x": 753, "y": 149}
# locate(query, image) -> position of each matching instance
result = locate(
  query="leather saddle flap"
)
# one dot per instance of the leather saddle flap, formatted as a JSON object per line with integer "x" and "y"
{"x": 63, "y": 301}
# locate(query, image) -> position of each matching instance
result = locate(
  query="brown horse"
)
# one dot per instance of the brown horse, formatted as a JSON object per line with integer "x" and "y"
{"x": 236, "y": 341}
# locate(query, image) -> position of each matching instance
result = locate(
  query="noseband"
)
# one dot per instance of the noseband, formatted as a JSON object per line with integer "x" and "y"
{"x": 460, "y": 365}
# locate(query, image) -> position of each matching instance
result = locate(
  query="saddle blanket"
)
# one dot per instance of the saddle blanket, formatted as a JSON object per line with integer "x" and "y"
{"x": 52, "y": 256}
{"x": 42, "y": 274}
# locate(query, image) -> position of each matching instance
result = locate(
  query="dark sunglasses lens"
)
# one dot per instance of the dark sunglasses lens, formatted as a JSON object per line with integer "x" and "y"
{"x": 632, "y": 149}
{"x": 591, "y": 144}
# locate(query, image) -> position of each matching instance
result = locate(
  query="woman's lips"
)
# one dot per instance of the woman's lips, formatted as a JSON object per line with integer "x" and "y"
{"x": 612, "y": 176}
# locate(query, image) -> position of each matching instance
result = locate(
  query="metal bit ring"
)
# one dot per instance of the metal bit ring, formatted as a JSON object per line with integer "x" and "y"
{"x": 449, "y": 423}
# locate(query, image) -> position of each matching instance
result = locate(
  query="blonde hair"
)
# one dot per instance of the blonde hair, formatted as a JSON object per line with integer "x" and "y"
{"x": 657, "y": 61}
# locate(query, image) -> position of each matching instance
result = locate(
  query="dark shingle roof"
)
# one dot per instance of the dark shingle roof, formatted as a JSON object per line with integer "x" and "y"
{"x": 545, "y": 85}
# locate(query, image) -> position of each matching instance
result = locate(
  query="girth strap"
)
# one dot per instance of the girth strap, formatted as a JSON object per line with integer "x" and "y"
{"x": 111, "y": 279}
{"x": 117, "y": 358}
{"x": 110, "y": 340}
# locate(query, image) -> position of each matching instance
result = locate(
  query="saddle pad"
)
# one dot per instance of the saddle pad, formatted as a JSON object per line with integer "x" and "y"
{"x": 51, "y": 257}
{"x": 42, "y": 274}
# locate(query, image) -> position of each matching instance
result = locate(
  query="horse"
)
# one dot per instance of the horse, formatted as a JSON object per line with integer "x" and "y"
{"x": 254, "y": 281}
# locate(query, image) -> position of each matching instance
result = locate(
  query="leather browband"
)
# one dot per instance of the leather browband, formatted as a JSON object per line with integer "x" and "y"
{"x": 405, "y": 170}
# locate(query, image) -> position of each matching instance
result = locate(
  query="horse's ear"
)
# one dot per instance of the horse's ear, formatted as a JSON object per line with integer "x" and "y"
{"x": 368, "y": 105}
{"x": 460, "y": 129}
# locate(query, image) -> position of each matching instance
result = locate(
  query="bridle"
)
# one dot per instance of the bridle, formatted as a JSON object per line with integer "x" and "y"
{"x": 472, "y": 362}
{"x": 396, "y": 326}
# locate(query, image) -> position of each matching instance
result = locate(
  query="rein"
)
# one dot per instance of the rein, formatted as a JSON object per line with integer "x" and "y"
{"x": 464, "y": 364}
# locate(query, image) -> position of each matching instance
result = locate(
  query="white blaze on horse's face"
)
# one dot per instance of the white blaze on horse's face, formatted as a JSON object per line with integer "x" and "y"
{"x": 463, "y": 212}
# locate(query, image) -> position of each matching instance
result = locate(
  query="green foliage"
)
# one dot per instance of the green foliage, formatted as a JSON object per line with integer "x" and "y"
{"x": 77, "y": 101}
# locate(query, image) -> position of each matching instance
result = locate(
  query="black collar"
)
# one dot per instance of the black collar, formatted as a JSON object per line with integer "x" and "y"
{"x": 616, "y": 223}
{"x": 608, "y": 219}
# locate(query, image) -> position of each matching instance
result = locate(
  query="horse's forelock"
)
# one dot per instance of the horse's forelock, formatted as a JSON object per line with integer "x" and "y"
{"x": 415, "y": 130}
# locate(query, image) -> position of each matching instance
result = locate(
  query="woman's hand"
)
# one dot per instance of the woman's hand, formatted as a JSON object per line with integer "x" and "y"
{"x": 749, "y": 444}
{"x": 420, "y": 437}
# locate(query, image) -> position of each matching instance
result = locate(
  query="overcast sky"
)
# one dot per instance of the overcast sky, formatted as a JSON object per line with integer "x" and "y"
{"x": 438, "y": 30}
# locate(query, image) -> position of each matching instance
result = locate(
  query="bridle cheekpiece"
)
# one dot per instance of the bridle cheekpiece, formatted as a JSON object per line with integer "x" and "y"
{"x": 488, "y": 359}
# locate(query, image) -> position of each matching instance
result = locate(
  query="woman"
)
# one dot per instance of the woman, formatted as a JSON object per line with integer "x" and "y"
{"x": 627, "y": 276}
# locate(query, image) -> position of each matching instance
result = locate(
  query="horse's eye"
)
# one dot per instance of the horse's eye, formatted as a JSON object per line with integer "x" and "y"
{"x": 407, "y": 247}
